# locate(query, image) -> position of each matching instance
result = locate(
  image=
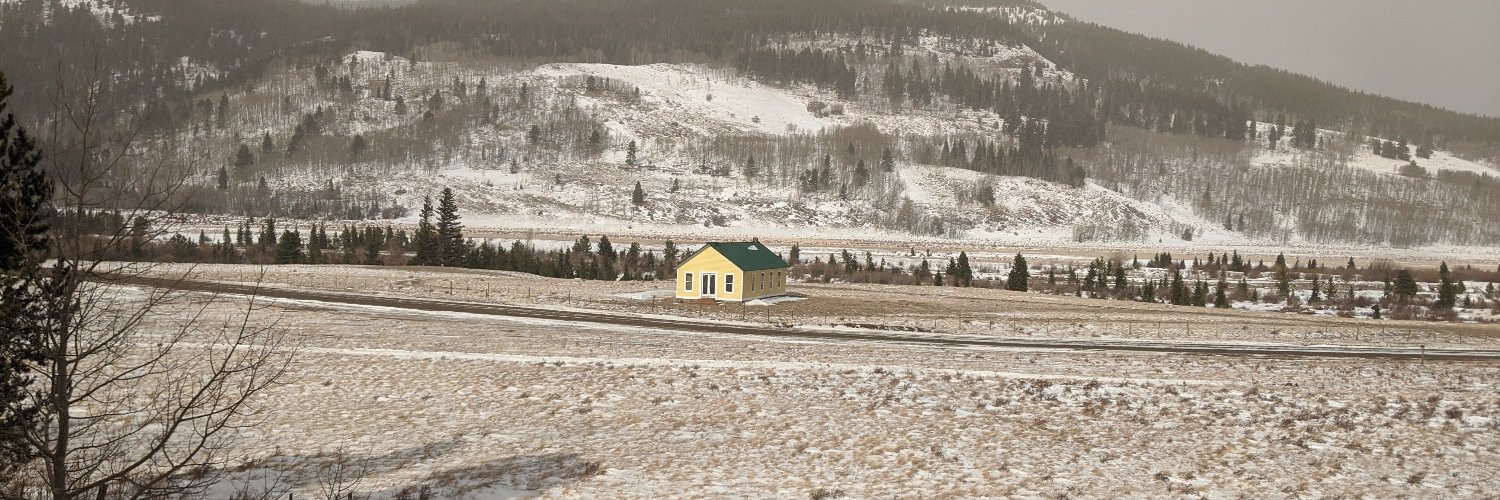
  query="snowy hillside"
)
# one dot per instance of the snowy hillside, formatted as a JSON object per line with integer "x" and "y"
{"x": 694, "y": 96}
{"x": 669, "y": 110}
{"x": 108, "y": 12}
{"x": 716, "y": 153}
{"x": 1360, "y": 156}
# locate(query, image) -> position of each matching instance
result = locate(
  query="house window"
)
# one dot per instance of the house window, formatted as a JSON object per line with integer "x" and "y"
{"x": 729, "y": 283}
{"x": 687, "y": 282}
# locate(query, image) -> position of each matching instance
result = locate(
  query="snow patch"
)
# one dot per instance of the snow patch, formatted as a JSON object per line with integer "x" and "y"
{"x": 704, "y": 93}
{"x": 771, "y": 301}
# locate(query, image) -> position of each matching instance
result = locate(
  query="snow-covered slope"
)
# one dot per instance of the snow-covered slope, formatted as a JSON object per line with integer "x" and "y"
{"x": 670, "y": 92}
{"x": 695, "y": 128}
{"x": 1358, "y": 155}
{"x": 108, "y": 11}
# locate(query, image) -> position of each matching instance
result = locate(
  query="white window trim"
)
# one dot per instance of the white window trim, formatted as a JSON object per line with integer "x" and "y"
{"x": 728, "y": 282}
{"x": 688, "y": 285}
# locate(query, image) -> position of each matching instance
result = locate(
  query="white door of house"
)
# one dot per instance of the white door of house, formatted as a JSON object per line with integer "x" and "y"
{"x": 710, "y": 285}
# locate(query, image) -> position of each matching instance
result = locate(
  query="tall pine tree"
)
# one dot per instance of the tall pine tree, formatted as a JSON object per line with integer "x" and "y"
{"x": 1019, "y": 275}
{"x": 963, "y": 274}
{"x": 25, "y": 194}
{"x": 1447, "y": 290}
{"x": 451, "y": 246}
{"x": 426, "y": 237}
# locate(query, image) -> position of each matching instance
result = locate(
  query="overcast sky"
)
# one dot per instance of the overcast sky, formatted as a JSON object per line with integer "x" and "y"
{"x": 1447, "y": 51}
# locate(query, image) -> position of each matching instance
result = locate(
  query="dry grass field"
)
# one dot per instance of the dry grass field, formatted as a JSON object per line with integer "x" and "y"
{"x": 386, "y": 402}
{"x": 971, "y": 311}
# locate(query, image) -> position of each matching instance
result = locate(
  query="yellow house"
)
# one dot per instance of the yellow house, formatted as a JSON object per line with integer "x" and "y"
{"x": 735, "y": 272}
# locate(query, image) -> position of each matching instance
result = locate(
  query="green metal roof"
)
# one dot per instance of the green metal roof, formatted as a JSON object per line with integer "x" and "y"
{"x": 746, "y": 255}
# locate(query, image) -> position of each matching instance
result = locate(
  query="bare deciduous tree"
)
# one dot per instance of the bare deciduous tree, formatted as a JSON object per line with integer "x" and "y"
{"x": 139, "y": 390}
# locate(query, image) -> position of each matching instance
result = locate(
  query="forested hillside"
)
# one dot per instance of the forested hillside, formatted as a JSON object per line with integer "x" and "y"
{"x": 984, "y": 120}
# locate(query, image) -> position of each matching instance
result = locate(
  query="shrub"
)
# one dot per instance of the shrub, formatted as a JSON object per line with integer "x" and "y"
{"x": 825, "y": 494}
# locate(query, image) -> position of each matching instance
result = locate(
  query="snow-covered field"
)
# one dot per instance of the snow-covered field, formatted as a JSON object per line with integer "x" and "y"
{"x": 480, "y": 407}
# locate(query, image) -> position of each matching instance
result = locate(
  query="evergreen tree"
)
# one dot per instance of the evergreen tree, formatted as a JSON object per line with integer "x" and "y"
{"x": 668, "y": 260}
{"x": 243, "y": 159}
{"x": 357, "y": 146}
{"x": 1404, "y": 288}
{"x": 268, "y": 234}
{"x": 630, "y": 152}
{"x": 450, "y": 244}
{"x": 887, "y": 161}
{"x": 1283, "y": 277}
{"x": 374, "y": 243}
{"x": 630, "y": 262}
{"x": 1019, "y": 275}
{"x": 1317, "y": 294}
{"x": 638, "y": 197}
{"x": 314, "y": 246}
{"x": 266, "y": 145}
{"x": 223, "y": 179}
{"x": 223, "y": 114}
{"x": 1180, "y": 294}
{"x": 1447, "y": 291}
{"x": 1221, "y": 299}
{"x": 294, "y": 144}
{"x": 963, "y": 275}
{"x": 289, "y": 248}
{"x": 25, "y": 201}
{"x": 426, "y": 239}
{"x": 794, "y": 256}
{"x": 226, "y": 246}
